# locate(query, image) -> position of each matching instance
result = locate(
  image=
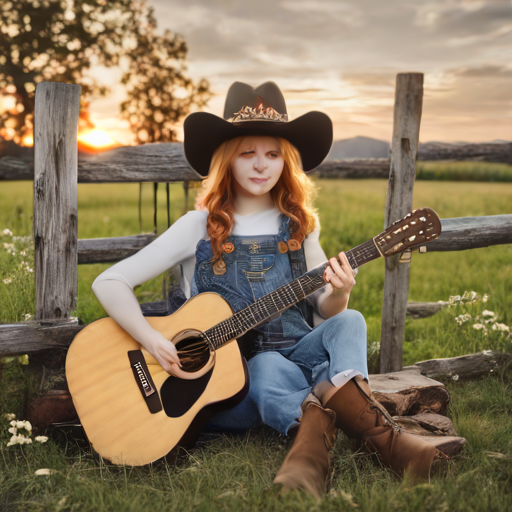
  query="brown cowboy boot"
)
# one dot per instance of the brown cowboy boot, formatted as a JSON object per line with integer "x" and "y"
{"x": 362, "y": 418}
{"x": 307, "y": 464}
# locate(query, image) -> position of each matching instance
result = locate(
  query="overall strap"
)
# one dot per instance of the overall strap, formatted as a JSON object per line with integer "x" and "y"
{"x": 298, "y": 267}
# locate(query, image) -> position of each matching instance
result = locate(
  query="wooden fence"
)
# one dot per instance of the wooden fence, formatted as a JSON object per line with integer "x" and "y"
{"x": 55, "y": 169}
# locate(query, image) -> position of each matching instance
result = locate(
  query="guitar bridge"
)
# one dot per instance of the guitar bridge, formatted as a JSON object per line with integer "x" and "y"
{"x": 144, "y": 381}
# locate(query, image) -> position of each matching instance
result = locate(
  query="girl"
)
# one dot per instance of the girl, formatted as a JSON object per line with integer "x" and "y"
{"x": 255, "y": 230}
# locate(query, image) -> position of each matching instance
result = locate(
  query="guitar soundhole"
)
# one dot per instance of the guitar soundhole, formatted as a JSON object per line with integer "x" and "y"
{"x": 194, "y": 353}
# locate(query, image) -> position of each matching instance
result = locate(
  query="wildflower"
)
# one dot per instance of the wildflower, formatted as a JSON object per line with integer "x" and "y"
{"x": 41, "y": 439}
{"x": 485, "y": 298}
{"x": 500, "y": 327}
{"x": 23, "y": 253}
{"x": 13, "y": 430}
{"x": 463, "y": 318}
{"x": 19, "y": 439}
{"x": 491, "y": 314}
{"x": 7, "y": 280}
{"x": 10, "y": 416}
{"x": 28, "y": 317}
{"x": 478, "y": 327}
{"x": 455, "y": 378}
{"x": 23, "y": 360}
{"x": 6, "y": 232}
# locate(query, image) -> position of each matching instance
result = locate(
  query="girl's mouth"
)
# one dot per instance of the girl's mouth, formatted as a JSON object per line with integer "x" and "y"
{"x": 259, "y": 180}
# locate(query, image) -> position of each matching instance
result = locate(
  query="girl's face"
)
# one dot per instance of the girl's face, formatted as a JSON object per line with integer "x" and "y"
{"x": 256, "y": 166}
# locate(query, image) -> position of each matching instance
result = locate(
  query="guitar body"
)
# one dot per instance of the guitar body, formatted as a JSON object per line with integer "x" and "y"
{"x": 109, "y": 400}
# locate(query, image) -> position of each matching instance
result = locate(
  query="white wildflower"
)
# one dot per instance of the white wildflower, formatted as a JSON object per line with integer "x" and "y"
{"x": 500, "y": 327}
{"x": 455, "y": 377}
{"x": 463, "y": 318}
{"x": 23, "y": 253}
{"x": 10, "y": 416}
{"x": 13, "y": 423}
{"x": 478, "y": 327}
{"x": 41, "y": 439}
{"x": 485, "y": 298}
{"x": 19, "y": 439}
{"x": 6, "y": 232}
{"x": 492, "y": 314}
{"x": 28, "y": 317}
{"x": 13, "y": 430}
{"x": 7, "y": 280}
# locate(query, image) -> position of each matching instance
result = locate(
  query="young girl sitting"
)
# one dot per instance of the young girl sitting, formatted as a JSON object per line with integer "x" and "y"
{"x": 255, "y": 229}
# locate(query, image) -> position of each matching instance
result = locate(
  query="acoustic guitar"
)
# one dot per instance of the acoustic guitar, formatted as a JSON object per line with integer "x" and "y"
{"x": 134, "y": 412}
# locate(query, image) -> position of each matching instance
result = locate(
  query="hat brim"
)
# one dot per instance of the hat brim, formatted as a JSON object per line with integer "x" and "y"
{"x": 310, "y": 133}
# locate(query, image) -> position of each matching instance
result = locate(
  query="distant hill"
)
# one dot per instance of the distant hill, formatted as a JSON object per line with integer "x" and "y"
{"x": 358, "y": 147}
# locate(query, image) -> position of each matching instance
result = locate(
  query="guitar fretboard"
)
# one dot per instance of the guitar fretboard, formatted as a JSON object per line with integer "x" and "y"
{"x": 283, "y": 298}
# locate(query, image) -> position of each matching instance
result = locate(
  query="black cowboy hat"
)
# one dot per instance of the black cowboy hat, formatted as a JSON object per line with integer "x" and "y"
{"x": 256, "y": 111}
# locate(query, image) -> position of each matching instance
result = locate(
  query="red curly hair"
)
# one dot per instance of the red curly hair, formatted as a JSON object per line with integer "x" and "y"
{"x": 292, "y": 194}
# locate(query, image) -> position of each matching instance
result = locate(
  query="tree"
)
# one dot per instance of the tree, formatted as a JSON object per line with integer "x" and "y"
{"x": 59, "y": 40}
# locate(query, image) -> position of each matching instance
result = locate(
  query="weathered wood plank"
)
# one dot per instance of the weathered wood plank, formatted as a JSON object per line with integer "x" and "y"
{"x": 468, "y": 367}
{"x": 107, "y": 250}
{"x": 407, "y": 392}
{"x": 16, "y": 165}
{"x": 462, "y": 233}
{"x": 354, "y": 168}
{"x": 485, "y": 152}
{"x": 156, "y": 162}
{"x": 57, "y": 106}
{"x": 404, "y": 148}
{"x": 30, "y": 337}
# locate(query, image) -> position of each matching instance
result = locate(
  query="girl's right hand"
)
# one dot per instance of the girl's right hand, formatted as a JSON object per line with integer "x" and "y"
{"x": 164, "y": 351}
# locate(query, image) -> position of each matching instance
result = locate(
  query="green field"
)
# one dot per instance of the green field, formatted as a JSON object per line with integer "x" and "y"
{"x": 230, "y": 472}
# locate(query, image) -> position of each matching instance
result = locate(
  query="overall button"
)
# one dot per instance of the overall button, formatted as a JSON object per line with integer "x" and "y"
{"x": 283, "y": 247}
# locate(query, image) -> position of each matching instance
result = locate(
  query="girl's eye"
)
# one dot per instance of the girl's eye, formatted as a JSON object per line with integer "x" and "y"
{"x": 247, "y": 153}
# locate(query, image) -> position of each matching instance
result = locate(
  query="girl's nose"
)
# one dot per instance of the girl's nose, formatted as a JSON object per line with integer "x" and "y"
{"x": 260, "y": 164}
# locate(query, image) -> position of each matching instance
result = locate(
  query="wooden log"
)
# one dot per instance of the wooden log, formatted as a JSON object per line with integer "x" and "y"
{"x": 107, "y": 250}
{"x": 484, "y": 152}
{"x": 30, "y": 337}
{"x": 57, "y": 106}
{"x": 407, "y": 392}
{"x": 464, "y": 233}
{"x": 468, "y": 367}
{"x": 427, "y": 423}
{"x": 404, "y": 148}
{"x": 424, "y": 309}
{"x": 449, "y": 445}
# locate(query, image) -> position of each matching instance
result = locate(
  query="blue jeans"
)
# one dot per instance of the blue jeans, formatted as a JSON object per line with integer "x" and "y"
{"x": 281, "y": 379}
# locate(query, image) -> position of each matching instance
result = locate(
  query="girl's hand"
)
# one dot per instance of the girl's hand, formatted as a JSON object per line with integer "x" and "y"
{"x": 163, "y": 351}
{"x": 341, "y": 277}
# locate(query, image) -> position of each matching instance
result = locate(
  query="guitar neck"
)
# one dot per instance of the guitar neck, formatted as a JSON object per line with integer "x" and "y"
{"x": 283, "y": 298}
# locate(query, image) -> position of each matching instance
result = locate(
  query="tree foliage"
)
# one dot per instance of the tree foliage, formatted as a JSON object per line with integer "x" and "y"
{"x": 59, "y": 40}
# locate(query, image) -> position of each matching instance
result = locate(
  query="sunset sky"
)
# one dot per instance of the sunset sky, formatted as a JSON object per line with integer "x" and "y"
{"x": 342, "y": 57}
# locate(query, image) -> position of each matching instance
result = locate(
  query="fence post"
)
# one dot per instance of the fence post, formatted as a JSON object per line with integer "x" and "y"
{"x": 57, "y": 106}
{"x": 404, "y": 149}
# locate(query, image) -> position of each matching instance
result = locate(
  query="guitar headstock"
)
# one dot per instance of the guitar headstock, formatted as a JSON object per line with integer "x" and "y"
{"x": 416, "y": 228}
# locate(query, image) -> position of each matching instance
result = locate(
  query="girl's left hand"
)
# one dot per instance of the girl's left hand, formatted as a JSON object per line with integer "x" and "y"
{"x": 341, "y": 276}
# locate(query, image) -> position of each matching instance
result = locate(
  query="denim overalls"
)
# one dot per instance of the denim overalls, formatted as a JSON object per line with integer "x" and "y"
{"x": 290, "y": 357}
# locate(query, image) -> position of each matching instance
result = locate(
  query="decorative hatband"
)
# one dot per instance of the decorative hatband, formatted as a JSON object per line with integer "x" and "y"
{"x": 258, "y": 114}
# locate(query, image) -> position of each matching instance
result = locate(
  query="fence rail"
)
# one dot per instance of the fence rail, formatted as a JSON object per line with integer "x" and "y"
{"x": 164, "y": 162}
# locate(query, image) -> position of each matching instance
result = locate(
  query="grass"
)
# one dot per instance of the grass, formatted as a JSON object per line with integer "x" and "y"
{"x": 230, "y": 472}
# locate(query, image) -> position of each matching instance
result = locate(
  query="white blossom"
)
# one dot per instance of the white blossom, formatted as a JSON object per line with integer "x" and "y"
{"x": 463, "y": 318}
{"x": 500, "y": 327}
{"x": 28, "y": 316}
{"x": 486, "y": 312}
{"x": 45, "y": 471}
{"x": 7, "y": 280}
{"x": 6, "y": 232}
{"x": 10, "y": 416}
{"x": 478, "y": 327}
{"x": 455, "y": 377}
{"x": 41, "y": 439}
{"x": 13, "y": 430}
